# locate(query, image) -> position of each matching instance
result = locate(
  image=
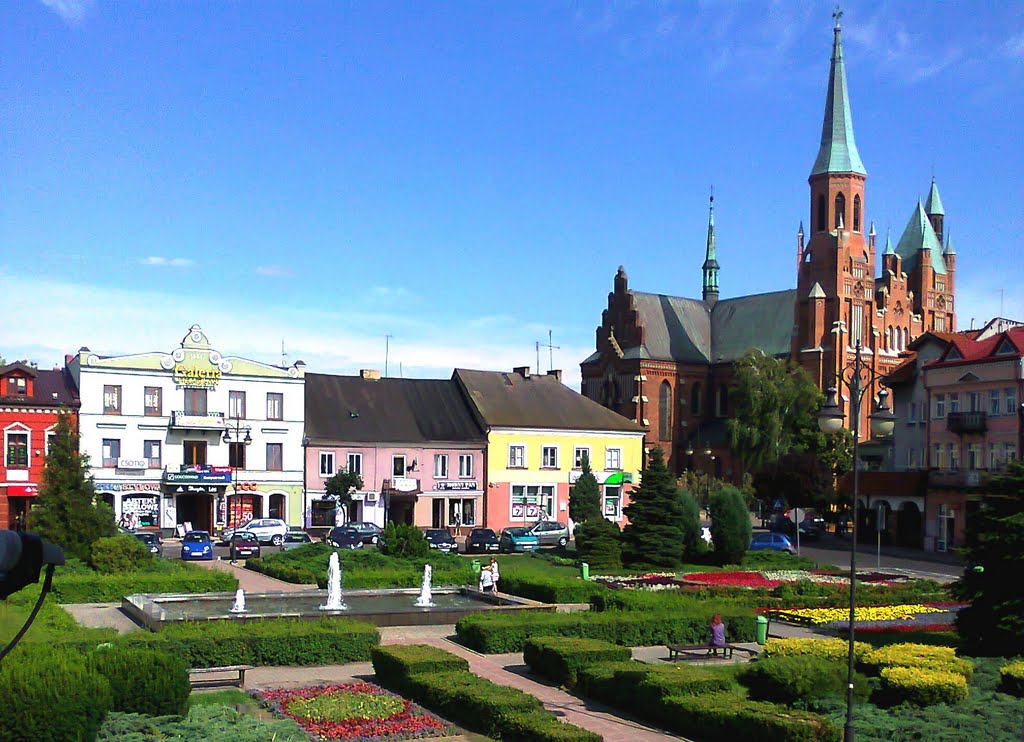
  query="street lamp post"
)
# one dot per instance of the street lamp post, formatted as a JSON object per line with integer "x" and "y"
{"x": 707, "y": 480}
{"x": 857, "y": 379}
{"x": 233, "y": 433}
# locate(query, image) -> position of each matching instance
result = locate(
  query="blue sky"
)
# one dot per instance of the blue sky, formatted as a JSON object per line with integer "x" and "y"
{"x": 465, "y": 176}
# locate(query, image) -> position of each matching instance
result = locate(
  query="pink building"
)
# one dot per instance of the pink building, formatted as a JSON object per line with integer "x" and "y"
{"x": 974, "y": 394}
{"x": 414, "y": 442}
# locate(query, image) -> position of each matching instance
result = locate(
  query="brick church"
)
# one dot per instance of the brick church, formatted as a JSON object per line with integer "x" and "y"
{"x": 667, "y": 361}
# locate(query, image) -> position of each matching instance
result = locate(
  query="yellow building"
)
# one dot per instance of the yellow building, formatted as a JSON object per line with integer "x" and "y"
{"x": 538, "y": 431}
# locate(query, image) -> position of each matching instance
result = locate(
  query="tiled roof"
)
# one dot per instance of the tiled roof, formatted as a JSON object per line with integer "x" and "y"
{"x": 975, "y": 351}
{"x": 903, "y": 373}
{"x": 507, "y": 400}
{"x": 51, "y": 388}
{"x": 341, "y": 409}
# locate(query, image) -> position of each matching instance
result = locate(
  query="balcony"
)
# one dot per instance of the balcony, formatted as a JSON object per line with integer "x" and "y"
{"x": 197, "y": 420}
{"x": 957, "y": 478}
{"x": 402, "y": 485}
{"x": 966, "y": 422}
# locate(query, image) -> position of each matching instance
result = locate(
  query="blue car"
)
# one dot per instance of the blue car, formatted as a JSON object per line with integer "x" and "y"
{"x": 771, "y": 542}
{"x": 517, "y": 540}
{"x": 197, "y": 545}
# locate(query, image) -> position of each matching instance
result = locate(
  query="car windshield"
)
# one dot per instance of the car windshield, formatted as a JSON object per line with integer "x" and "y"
{"x": 763, "y": 537}
{"x": 483, "y": 533}
{"x": 517, "y": 532}
{"x": 196, "y": 537}
{"x": 437, "y": 533}
{"x": 296, "y": 538}
{"x": 149, "y": 538}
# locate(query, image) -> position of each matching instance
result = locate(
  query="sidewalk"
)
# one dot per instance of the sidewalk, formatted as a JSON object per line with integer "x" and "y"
{"x": 254, "y": 581}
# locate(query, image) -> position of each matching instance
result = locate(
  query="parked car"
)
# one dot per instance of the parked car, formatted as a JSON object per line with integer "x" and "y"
{"x": 151, "y": 540}
{"x": 811, "y": 528}
{"x": 517, "y": 539}
{"x": 343, "y": 537}
{"x": 481, "y": 540}
{"x": 266, "y": 530}
{"x": 771, "y": 542}
{"x": 370, "y": 532}
{"x": 196, "y": 545}
{"x": 295, "y": 539}
{"x": 441, "y": 539}
{"x": 246, "y": 544}
{"x": 551, "y": 533}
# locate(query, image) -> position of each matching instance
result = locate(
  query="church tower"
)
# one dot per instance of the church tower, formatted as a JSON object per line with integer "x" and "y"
{"x": 710, "y": 267}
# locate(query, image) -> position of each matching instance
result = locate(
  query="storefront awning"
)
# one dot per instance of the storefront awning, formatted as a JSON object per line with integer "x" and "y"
{"x": 22, "y": 490}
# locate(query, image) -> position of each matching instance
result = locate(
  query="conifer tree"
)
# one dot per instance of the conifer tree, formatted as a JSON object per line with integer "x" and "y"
{"x": 585, "y": 495}
{"x": 66, "y": 512}
{"x": 730, "y": 525}
{"x": 659, "y": 520}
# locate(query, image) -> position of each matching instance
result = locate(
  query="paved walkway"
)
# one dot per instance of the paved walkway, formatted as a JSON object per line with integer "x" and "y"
{"x": 101, "y": 616}
{"x": 254, "y": 581}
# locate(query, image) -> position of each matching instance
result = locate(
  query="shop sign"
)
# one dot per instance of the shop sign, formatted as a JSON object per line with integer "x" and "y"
{"x": 204, "y": 469}
{"x": 22, "y": 490}
{"x": 196, "y": 489}
{"x": 132, "y": 463}
{"x": 191, "y": 375}
{"x": 246, "y": 487}
{"x": 405, "y": 484}
{"x": 614, "y": 477}
{"x": 140, "y": 506}
{"x": 526, "y": 506}
{"x": 127, "y": 486}
{"x": 459, "y": 486}
{"x": 197, "y": 478}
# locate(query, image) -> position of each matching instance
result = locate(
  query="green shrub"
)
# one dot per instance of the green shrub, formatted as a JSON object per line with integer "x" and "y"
{"x": 98, "y": 588}
{"x": 831, "y": 649}
{"x": 599, "y": 681}
{"x": 597, "y": 542}
{"x": 559, "y": 658}
{"x": 670, "y": 600}
{"x": 116, "y": 555}
{"x": 284, "y": 572}
{"x": 1011, "y": 678}
{"x": 728, "y": 716}
{"x": 650, "y": 685}
{"x": 922, "y": 686}
{"x": 543, "y": 727}
{"x": 803, "y": 678}
{"x": 144, "y": 681}
{"x": 204, "y": 722}
{"x": 730, "y": 525}
{"x": 553, "y": 589}
{"x": 278, "y": 641}
{"x": 925, "y": 656}
{"x": 404, "y": 541}
{"x": 497, "y": 633}
{"x": 395, "y": 662}
{"x": 50, "y": 695}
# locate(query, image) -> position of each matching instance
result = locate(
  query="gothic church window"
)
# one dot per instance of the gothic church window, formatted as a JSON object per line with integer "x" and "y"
{"x": 840, "y": 210}
{"x": 665, "y": 411}
{"x": 856, "y": 213}
{"x": 822, "y": 214}
{"x": 888, "y": 338}
{"x": 695, "y": 399}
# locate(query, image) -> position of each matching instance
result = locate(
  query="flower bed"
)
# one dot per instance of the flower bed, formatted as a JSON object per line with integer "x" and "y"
{"x": 913, "y": 617}
{"x": 651, "y": 581}
{"x": 731, "y": 579}
{"x": 353, "y": 711}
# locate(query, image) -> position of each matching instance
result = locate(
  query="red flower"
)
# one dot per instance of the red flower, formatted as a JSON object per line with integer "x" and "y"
{"x": 731, "y": 579}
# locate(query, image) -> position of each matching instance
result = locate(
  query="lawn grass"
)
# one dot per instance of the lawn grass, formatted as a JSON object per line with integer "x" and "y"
{"x": 227, "y": 697}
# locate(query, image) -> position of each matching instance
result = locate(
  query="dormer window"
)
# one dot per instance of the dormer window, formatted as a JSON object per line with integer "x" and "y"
{"x": 17, "y": 385}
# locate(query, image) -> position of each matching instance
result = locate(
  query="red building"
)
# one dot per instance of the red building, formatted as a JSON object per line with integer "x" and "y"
{"x": 29, "y": 402}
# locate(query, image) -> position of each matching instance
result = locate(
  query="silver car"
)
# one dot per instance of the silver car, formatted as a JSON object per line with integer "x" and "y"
{"x": 266, "y": 530}
{"x": 551, "y": 533}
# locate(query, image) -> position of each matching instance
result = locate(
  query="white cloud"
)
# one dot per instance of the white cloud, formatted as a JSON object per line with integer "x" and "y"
{"x": 72, "y": 11}
{"x": 162, "y": 262}
{"x": 274, "y": 271}
{"x": 1014, "y": 46}
{"x": 127, "y": 320}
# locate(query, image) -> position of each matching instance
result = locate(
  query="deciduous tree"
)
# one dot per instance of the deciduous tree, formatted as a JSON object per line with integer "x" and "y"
{"x": 342, "y": 485}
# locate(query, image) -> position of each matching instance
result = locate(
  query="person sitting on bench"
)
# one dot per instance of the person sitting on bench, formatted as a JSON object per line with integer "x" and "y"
{"x": 717, "y": 634}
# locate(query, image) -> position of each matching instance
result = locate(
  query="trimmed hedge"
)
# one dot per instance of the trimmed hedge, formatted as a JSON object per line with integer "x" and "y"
{"x": 115, "y": 555}
{"x": 925, "y": 656}
{"x": 99, "y": 588}
{"x": 922, "y": 686}
{"x": 836, "y": 650}
{"x": 787, "y": 680}
{"x": 649, "y": 685}
{"x": 332, "y": 641}
{"x": 1011, "y": 678}
{"x": 459, "y": 695}
{"x": 500, "y": 633}
{"x": 51, "y": 695}
{"x": 560, "y": 658}
{"x": 144, "y": 681}
{"x": 549, "y": 589}
{"x": 729, "y": 716}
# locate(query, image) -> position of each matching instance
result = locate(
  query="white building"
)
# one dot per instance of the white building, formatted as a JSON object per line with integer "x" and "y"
{"x": 190, "y": 436}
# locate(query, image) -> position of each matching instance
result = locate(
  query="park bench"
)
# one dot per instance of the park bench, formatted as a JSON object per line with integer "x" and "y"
{"x": 703, "y": 651}
{"x": 203, "y": 682}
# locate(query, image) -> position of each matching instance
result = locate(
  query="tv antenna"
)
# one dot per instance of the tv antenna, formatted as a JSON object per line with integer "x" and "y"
{"x": 284, "y": 356}
{"x": 387, "y": 352}
{"x": 551, "y": 353}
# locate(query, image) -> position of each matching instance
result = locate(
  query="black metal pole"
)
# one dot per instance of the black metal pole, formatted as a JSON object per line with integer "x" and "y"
{"x": 855, "y": 399}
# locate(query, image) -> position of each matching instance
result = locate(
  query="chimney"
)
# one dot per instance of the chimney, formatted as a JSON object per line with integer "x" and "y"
{"x": 370, "y": 374}
{"x": 523, "y": 371}
{"x": 68, "y": 358}
{"x": 557, "y": 373}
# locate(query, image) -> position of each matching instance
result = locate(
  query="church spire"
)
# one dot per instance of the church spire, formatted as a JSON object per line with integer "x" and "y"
{"x": 710, "y": 267}
{"x": 838, "y": 150}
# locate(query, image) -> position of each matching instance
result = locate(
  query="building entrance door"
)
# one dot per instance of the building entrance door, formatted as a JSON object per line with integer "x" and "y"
{"x": 437, "y": 513}
{"x": 197, "y": 510}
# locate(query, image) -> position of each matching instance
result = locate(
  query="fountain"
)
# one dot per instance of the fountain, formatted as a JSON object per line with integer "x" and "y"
{"x": 424, "y": 600}
{"x": 239, "y": 606}
{"x": 335, "y": 600}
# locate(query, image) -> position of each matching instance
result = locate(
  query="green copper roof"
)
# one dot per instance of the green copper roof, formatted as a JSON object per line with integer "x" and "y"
{"x": 919, "y": 235}
{"x": 950, "y": 250}
{"x": 710, "y": 267}
{"x": 888, "y": 244}
{"x": 838, "y": 151}
{"x": 934, "y": 204}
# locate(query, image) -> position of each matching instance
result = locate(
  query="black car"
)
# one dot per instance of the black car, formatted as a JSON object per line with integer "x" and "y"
{"x": 810, "y": 529}
{"x": 344, "y": 537}
{"x": 370, "y": 532}
{"x": 151, "y": 540}
{"x": 245, "y": 544}
{"x": 481, "y": 540}
{"x": 441, "y": 539}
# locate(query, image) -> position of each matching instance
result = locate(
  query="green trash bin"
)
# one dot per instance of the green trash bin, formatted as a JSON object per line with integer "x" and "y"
{"x": 476, "y": 566}
{"x": 762, "y": 630}
{"x": 584, "y": 570}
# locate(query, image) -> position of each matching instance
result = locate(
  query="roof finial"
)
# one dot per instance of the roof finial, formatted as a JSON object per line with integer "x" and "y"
{"x": 838, "y": 14}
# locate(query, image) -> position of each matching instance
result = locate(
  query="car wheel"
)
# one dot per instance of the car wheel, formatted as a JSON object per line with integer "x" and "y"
{"x": 563, "y": 541}
{"x": 277, "y": 539}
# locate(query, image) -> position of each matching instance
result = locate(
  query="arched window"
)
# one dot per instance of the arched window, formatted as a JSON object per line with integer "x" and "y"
{"x": 665, "y": 411}
{"x": 722, "y": 401}
{"x": 856, "y": 213}
{"x": 906, "y": 338}
{"x": 888, "y": 338}
{"x": 822, "y": 214}
{"x": 840, "y": 210}
{"x": 695, "y": 399}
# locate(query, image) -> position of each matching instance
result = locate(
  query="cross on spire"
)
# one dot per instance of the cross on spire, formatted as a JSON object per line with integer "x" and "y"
{"x": 838, "y": 15}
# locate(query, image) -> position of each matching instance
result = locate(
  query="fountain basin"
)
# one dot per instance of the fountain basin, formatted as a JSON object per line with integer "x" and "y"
{"x": 382, "y": 607}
